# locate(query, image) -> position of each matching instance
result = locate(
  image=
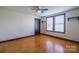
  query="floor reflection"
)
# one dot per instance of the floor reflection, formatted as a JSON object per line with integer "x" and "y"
{"x": 49, "y": 46}
{"x": 58, "y": 48}
{"x": 53, "y": 47}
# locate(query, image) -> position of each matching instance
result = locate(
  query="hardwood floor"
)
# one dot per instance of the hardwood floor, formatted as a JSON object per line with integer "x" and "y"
{"x": 39, "y": 44}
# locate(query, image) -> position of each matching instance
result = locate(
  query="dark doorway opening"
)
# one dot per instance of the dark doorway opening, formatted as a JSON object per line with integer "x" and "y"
{"x": 37, "y": 26}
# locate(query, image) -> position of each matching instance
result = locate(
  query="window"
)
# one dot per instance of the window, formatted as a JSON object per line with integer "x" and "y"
{"x": 56, "y": 23}
{"x": 59, "y": 23}
{"x": 49, "y": 24}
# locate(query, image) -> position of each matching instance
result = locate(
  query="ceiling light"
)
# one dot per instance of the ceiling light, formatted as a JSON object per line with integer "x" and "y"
{"x": 39, "y": 11}
{"x": 40, "y": 7}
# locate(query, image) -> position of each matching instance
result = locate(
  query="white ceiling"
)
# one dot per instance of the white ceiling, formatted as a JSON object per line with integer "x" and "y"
{"x": 29, "y": 10}
{"x": 56, "y": 9}
{"x": 21, "y": 9}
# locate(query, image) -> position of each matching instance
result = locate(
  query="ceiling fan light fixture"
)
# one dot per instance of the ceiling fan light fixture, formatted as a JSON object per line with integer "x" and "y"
{"x": 39, "y": 11}
{"x": 40, "y": 7}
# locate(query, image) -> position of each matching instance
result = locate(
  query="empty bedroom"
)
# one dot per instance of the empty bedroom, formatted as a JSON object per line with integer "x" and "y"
{"x": 39, "y": 29}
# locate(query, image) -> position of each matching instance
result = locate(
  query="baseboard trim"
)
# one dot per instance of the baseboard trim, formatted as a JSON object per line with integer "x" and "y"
{"x": 17, "y": 38}
{"x": 35, "y": 35}
{"x": 60, "y": 38}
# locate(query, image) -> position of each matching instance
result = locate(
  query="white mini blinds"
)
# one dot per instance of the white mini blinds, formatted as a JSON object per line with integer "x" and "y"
{"x": 56, "y": 23}
{"x": 59, "y": 23}
{"x": 49, "y": 24}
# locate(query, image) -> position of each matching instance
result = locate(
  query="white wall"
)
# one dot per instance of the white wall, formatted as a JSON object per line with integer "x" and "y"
{"x": 15, "y": 24}
{"x": 72, "y": 27}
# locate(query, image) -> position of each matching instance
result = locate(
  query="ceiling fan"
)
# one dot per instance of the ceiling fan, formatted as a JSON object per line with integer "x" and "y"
{"x": 40, "y": 9}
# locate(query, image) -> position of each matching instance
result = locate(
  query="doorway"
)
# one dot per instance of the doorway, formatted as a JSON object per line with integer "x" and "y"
{"x": 37, "y": 26}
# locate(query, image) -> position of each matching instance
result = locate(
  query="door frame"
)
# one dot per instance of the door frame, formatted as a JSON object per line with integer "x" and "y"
{"x": 34, "y": 26}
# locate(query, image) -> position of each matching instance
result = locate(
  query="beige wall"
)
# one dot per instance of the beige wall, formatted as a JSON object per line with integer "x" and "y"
{"x": 72, "y": 27}
{"x": 15, "y": 24}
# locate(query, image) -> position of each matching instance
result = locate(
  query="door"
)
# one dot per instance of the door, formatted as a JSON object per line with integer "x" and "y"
{"x": 37, "y": 26}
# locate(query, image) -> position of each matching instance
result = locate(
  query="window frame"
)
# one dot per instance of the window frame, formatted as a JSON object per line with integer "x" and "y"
{"x": 46, "y": 25}
{"x": 54, "y": 23}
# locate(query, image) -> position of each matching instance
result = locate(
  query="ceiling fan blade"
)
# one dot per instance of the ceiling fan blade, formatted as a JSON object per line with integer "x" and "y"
{"x": 35, "y": 7}
{"x": 43, "y": 9}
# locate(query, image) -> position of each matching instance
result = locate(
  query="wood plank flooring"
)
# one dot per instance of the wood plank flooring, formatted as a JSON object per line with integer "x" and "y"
{"x": 39, "y": 44}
